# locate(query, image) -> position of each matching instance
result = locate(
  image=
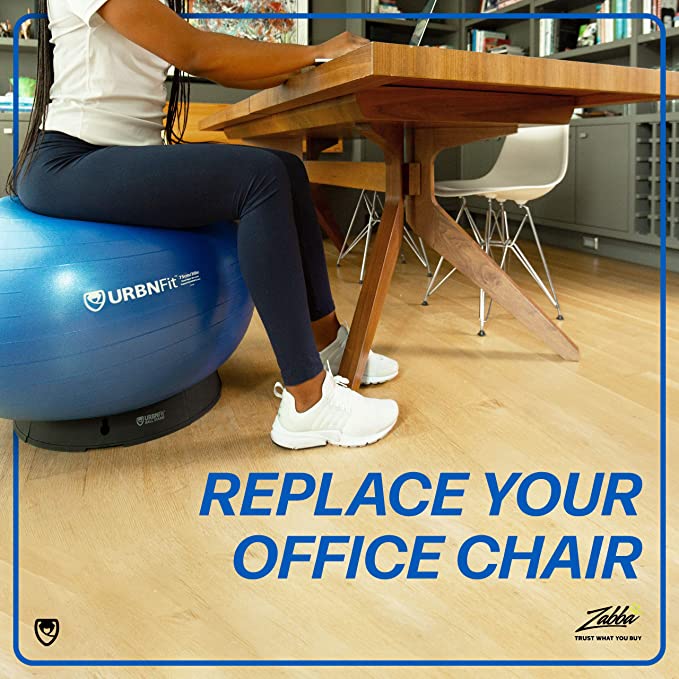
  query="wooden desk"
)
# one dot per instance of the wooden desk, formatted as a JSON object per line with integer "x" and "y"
{"x": 195, "y": 134}
{"x": 414, "y": 102}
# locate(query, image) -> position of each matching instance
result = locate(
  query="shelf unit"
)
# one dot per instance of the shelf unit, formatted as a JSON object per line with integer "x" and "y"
{"x": 8, "y": 44}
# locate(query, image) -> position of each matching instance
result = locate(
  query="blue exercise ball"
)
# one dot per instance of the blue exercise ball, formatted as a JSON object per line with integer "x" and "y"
{"x": 100, "y": 319}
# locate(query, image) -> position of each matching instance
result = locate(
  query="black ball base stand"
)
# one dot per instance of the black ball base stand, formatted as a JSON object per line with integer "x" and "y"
{"x": 127, "y": 429}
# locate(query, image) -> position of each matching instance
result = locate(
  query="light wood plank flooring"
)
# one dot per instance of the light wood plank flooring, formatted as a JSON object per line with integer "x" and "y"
{"x": 113, "y": 546}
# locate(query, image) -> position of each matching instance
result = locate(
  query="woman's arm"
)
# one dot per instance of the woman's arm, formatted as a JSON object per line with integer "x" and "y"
{"x": 229, "y": 61}
{"x": 263, "y": 83}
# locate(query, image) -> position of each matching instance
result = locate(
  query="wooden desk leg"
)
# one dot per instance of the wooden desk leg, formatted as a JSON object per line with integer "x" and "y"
{"x": 381, "y": 262}
{"x": 447, "y": 237}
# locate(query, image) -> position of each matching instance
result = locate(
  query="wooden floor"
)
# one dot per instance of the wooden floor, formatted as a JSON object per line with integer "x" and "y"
{"x": 112, "y": 544}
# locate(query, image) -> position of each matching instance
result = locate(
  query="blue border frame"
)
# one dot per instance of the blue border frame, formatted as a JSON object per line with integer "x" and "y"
{"x": 663, "y": 394}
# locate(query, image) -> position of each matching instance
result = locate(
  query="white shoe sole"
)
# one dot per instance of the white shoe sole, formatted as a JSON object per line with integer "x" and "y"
{"x": 367, "y": 381}
{"x": 301, "y": 440}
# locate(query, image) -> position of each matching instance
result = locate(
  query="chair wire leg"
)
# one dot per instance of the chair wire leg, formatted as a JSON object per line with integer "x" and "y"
{"x": 427, "y": 263}
{"x": 472, "y": 223}
{"x": 433, "y": 285}
{"x": 544, "y": 262}
{"x": 497, "y": 225}
{"x": 418, "y": 248}
{"x": 373, "y": 221}
{"x": 486, "y": 247}
{"x": 502, "y": 225}
{"x": 510, "y": 246}
{"x": 520, "y": 255}
{"x": 344, "y": 251}
{"x": 412, "y": 244}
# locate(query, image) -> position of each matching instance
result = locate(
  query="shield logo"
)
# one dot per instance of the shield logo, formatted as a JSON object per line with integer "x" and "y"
{"x": 46, "y": 630}
{"x": 140, "y": 421}
{"x": 95, "y": 300}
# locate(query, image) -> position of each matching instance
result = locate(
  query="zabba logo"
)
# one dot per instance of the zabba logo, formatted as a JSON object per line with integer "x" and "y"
{"x": 608, "y": 618}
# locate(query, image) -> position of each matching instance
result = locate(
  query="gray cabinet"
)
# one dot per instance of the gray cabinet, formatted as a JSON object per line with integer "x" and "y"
{"x": 602, "y": 181}
{"x": 559, "y": 204}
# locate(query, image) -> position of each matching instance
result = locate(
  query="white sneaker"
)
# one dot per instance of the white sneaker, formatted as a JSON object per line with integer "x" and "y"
{"x": 342, "y": 417}
{"x": 378, "y": 369}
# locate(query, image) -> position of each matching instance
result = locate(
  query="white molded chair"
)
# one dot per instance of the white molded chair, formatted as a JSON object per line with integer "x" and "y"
{"x": 531, "y": 163}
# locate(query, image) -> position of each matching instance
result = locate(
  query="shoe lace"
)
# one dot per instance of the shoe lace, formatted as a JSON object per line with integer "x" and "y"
{"x": 341, "y": 381}
{"x": 341, "y": 399}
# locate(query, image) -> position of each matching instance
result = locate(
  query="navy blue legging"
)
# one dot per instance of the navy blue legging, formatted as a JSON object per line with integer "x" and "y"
{"x": 280, "y": 246}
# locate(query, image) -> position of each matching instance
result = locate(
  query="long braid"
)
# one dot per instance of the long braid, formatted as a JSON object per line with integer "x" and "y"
{"x": 45, "y": 78}
{"x": 178, "y": 106}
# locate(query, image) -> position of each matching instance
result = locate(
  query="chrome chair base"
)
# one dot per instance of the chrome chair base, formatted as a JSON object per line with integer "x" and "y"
{"x": 496, "y": 236}
{"x": 374, "y": 207}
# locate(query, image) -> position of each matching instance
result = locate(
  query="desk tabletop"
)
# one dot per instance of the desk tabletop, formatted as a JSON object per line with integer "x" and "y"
{"x": 384, "y": 65}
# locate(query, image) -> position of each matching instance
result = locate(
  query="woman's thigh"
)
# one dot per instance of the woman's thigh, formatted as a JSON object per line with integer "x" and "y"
{"x": 179, "y": 186}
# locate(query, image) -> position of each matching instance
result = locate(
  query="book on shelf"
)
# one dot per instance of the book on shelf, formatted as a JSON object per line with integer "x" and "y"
{"x": 496, "y": 5}
{"x": 512, "y": 50}
{"x": 666, "y": 10}
{"x": 485, "y": 41}
{"x": 547, "y": 32}
{"x": 623, "y": 26}
{"x": 557, "y": 35}
{"x": 384, "y": 7}
{"x": 609, "y": 30}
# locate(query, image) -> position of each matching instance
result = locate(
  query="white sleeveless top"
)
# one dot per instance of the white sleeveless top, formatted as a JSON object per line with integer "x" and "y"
{"x": 107, "y": 90}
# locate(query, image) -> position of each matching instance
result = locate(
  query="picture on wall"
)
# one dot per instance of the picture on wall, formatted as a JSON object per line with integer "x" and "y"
{"x": 271, "y": 30}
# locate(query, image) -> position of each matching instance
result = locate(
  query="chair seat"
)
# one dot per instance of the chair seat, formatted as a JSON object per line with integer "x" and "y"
{"x": 479, "y": 187}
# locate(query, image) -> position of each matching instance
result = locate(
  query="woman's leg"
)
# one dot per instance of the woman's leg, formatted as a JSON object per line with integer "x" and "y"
{"x": 192, "y": 185}
{"x": 324, "y": 320}
{"x": 329, "y": 338}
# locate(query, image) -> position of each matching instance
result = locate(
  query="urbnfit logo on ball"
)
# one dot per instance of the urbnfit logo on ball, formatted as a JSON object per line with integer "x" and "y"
{"x": 95, "y": 300}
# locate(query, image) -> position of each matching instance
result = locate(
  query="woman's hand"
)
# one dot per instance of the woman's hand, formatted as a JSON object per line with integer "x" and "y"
{"x": 341, "y": 44}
